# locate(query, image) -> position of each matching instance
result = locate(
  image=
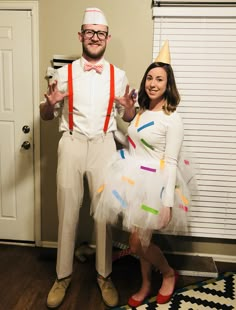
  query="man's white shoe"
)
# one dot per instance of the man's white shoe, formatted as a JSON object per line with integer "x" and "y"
{"x": 108, "y": 291}
{"x": 57, "y": 292}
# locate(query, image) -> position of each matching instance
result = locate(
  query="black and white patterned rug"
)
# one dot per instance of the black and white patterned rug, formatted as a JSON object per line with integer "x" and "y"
{"x": 213, "y": 294}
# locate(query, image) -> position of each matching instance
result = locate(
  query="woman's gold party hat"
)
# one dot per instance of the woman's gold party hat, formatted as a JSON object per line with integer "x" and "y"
{"x": 164, "y": 54}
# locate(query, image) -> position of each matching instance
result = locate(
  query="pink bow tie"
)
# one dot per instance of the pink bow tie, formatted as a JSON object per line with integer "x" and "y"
{"x": 88, "y": 66}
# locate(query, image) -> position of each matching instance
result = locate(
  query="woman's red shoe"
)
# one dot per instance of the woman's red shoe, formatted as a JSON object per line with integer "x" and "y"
{"x": 135, "y": 303}
{"x": 163, "y": 299}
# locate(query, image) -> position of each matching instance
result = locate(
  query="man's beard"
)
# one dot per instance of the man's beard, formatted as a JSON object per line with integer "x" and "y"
{"x": 94, "y": 55}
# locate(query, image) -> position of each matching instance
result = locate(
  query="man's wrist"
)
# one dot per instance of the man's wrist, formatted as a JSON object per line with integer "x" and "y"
{"x": 48, "y": 104}
{"x": 131, "y": 112}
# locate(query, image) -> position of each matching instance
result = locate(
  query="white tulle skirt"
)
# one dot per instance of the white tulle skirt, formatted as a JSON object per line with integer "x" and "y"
{"x": 132, "y": 189}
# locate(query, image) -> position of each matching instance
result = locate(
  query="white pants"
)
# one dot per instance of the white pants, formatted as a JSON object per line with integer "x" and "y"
{"x": 79, "y": 156}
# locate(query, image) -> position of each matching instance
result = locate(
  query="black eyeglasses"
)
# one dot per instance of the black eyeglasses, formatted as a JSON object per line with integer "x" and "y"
{"x": 89, "y": 34}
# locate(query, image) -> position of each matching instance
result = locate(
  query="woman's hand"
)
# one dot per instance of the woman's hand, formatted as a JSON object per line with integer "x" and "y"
{"x": 54, "y": 95}
{"x": 164, "y": 217}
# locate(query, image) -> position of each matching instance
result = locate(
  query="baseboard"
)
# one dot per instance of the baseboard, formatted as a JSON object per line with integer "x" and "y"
{"x": 209, "y": 256}
{"x": 193, "y": 265}
{"x": 216, "y": 257}
{"x": 48, "y": 244}
{"x": 20, "y": 243}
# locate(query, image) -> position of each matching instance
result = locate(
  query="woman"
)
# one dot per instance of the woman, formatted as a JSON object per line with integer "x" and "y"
{"x": 144, "y": 184}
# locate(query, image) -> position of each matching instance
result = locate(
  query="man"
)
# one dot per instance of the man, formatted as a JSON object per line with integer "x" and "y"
{"x": 83, "y": 95}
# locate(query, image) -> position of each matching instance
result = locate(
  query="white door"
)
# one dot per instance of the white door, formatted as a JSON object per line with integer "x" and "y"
{"x": 16, "y": 127}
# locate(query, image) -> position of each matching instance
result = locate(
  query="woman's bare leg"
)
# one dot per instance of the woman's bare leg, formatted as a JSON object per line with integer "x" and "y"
{"x": 152, "y": 256}
{"x": 146, "y": 271}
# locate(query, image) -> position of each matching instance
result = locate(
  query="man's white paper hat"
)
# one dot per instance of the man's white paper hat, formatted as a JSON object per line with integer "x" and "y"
{"x": 94, "y": 16}
{"x": 164, "y": 54}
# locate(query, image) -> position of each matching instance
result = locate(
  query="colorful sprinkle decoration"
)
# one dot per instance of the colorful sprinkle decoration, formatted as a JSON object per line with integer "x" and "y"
{"x": 162, "y": 192}
{"x": 149, "y": 209}
{"x": 146, "y": 144}
{"x": 148, "y": 169}
{"x": 137, "y": 120}
{"x": 162, "y": 164}
{"x": 185, "y": 208}
{"x": 119, "y": 198}
{"x": 131, "y": 142}
{"x": 182, "y": 197}
{"x": 122, "y": 154}
{"x": 130, "y": 181}
{"x": 145, "y": 126}
{"x": 101, "y": 188}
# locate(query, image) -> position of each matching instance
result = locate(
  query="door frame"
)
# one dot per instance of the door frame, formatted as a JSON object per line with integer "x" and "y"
{"x": 32, "y": 6}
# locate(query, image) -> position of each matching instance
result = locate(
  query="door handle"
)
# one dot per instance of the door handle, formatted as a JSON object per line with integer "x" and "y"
{"x": 26, "y": 129}
{"x": 26, "y": 145}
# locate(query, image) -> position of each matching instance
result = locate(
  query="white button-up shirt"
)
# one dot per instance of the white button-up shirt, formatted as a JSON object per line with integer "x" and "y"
{"x": 91, "y": 93}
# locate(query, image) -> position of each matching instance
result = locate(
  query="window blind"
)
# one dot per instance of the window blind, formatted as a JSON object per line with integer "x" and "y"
{"x": 193, "y": 3}
{"x": 203, "y": 53}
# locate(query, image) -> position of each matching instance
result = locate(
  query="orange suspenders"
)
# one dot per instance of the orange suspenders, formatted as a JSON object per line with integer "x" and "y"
{"x": 111, "y": 100}
{"x": 70, "y": 98}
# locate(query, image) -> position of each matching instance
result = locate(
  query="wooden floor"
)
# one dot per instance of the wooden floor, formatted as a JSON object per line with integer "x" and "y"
{"x": 27, "y": 274}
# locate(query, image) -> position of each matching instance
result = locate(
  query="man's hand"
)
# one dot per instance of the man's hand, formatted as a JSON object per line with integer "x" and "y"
{"x": 128, "y": 101}
{"x": 54, "y": 95}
